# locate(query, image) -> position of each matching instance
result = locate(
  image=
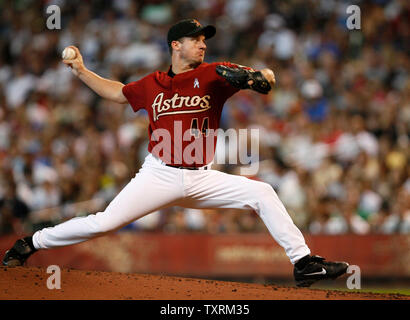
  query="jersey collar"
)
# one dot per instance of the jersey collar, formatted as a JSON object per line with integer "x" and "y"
{"x": 170, "y": 72}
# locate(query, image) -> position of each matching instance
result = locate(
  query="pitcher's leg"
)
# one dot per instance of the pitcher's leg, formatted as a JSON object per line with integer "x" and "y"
{"x": 280, "y": 224}
{"x": 150, "y": 190}
{"x": 214, "y": 189}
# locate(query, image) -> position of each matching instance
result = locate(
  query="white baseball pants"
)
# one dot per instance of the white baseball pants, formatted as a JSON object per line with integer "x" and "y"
{"x": 157, "y": 186}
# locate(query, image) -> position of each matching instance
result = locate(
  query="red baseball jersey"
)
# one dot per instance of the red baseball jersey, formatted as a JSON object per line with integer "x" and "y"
{"x": 184, "y": 112}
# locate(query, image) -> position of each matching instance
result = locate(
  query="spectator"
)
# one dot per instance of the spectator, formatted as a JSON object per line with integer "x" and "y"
{"x": 334, "y": 132}
{"x": 13, "y": 212}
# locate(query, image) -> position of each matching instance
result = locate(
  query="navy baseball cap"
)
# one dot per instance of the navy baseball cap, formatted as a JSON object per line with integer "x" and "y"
{"x": 188, "y": 28}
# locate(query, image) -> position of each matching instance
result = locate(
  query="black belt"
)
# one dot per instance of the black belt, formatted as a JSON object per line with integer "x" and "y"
{"x": 189, "y": 168}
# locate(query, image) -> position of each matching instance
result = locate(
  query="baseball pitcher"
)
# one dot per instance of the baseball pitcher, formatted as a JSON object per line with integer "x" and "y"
{"x": 184, "y": 106}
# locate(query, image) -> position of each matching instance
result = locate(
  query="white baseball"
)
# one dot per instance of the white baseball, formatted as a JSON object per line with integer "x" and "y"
{"x": 68, "y": 54}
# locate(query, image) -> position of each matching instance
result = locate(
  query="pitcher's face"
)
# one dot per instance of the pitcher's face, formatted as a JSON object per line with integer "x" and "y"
{"x": 192, "y": 49}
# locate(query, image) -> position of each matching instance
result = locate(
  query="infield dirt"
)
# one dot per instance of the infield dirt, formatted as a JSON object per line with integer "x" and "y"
{"x": 30, "y": 283}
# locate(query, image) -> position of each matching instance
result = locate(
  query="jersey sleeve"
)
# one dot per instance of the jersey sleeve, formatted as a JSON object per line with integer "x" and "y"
{"x": 233, "y": 65}
{"x": 135, "y": 94}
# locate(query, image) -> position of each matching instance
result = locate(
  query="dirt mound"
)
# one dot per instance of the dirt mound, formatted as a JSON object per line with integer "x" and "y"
{"x": 31, "y": 284}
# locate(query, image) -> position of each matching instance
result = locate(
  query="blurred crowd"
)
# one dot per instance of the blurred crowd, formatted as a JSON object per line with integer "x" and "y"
{"x": 334, "y": 133}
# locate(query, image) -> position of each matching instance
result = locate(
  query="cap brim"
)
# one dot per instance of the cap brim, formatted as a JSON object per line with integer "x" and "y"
{"x": 208, "y": 31}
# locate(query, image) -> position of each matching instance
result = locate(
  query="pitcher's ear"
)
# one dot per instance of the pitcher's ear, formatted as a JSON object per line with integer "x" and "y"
{"x": 175, "y": 45}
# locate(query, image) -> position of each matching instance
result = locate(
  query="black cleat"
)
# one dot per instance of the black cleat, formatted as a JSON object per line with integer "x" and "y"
{"x": 18, "y": 254}
{"x": 316, "y": 268}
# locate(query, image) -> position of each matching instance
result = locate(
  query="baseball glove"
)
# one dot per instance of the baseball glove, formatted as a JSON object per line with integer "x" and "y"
{"x": 239, "y": 78}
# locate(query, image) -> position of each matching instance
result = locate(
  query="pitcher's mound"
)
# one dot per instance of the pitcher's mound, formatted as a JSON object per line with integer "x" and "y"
{"x": 31, "y": 284}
